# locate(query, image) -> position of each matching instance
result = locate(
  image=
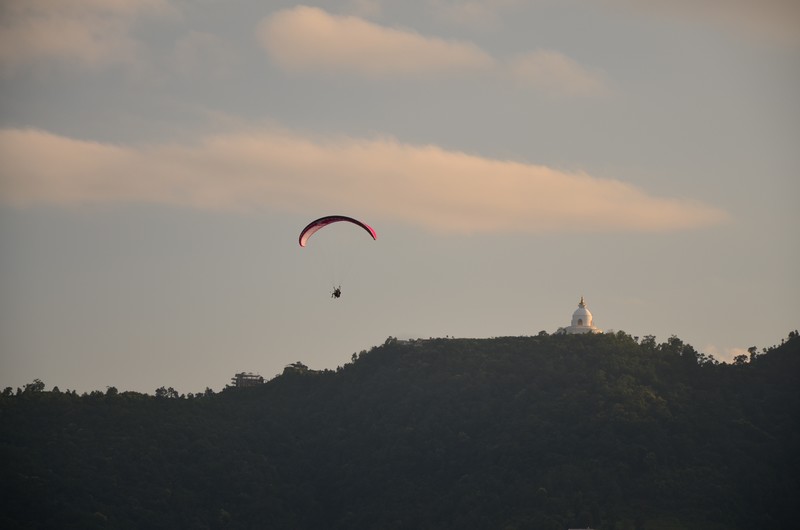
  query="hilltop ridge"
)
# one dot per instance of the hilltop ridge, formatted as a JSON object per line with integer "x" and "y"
{"x": 545, "y": 432}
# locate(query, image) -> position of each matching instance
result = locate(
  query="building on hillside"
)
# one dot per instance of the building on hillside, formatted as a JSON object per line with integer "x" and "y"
{"x": 581, "y": 322}
{"x": 245, "y": 379}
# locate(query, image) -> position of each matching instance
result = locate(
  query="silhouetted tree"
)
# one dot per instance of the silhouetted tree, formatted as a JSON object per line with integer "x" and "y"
{"x": 36, "y": 386}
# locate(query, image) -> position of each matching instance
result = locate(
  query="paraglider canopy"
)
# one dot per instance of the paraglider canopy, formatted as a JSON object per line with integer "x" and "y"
{"x": 322, "y": 222}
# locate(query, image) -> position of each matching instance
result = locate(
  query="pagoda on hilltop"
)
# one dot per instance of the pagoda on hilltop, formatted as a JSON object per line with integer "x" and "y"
{"x": 581, "y": 322}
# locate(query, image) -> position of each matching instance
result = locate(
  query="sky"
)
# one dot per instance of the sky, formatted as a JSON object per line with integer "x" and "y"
{"x": 158, "y": 159}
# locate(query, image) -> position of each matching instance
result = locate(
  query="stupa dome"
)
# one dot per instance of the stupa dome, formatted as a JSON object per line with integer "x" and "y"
{"x": 582, "y": 316}
{"x": 582, "y": 321}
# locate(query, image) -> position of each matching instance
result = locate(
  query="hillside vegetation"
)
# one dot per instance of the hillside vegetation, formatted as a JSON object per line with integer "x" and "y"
{"x": 542, "y": 432}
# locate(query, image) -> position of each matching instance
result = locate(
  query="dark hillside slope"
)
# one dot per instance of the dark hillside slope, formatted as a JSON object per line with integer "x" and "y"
{"x": 526, "y": 432}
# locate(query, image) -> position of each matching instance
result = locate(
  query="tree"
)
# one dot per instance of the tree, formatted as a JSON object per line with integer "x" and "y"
{"x": 36, "y": 386}
{"x": 169, "y": 393}
{"x": 649, "y": 342}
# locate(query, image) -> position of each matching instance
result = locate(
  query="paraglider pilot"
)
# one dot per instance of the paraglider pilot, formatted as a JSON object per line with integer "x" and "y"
{"x": 337, "y": 292}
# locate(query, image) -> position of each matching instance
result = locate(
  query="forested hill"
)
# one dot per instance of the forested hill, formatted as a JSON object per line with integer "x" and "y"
{"x": 543, "y": 432}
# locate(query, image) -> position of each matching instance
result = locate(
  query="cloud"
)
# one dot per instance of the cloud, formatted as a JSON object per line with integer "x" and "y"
{"x": 307, "y": 39}
{"x": 439, "y": 190}
{"x": 555, "y": 73}
{"x": 775, "y": 21}
{"x": 89, "y": 33}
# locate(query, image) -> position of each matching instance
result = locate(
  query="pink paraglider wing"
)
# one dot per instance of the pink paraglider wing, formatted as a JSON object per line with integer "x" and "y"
{"x": 322, "y": 222}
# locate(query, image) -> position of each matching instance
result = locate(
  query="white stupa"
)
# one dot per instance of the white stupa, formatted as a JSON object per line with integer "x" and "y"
{"x": 581, "y": 321}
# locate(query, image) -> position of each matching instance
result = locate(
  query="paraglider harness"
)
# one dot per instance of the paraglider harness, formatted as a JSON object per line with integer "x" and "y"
{"x": 337, "y": 292}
